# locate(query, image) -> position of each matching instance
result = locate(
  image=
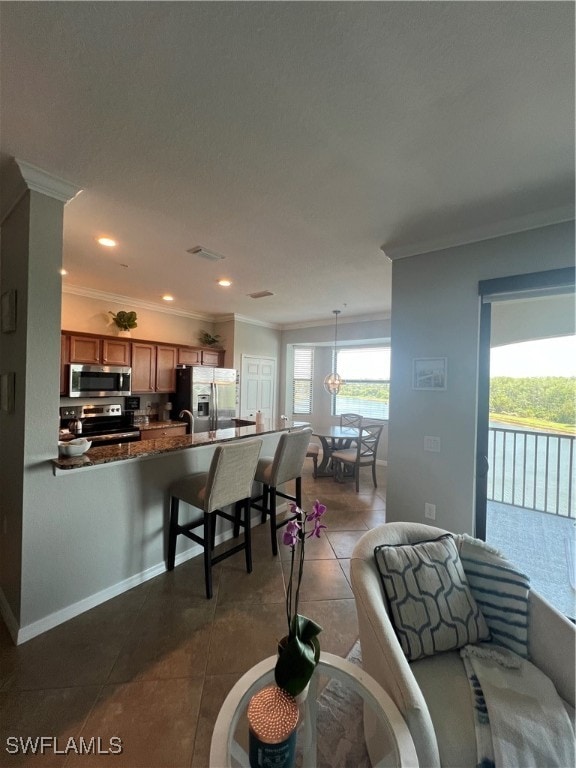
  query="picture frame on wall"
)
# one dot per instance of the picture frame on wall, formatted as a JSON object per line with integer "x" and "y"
{"x": 430, "y": 373}
{"x": 8, "y": 311}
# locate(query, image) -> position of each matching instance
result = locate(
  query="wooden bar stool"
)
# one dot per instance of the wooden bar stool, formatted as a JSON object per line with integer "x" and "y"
{"x": 228, "y": 481}
{"x": 273, "y": 471}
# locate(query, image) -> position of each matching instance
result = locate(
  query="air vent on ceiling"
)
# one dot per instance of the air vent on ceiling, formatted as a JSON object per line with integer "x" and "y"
{"x": 260, "y": 294}
{"x": 210, "y": 255}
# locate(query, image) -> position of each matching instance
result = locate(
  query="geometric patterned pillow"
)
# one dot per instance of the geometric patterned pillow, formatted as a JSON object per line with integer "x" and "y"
{"x": 500, "y": 590}
{"x": 431, "y": 606}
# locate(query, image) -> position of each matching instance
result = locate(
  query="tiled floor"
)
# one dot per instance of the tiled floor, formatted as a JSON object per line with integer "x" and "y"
{"x": 153, "y": 666}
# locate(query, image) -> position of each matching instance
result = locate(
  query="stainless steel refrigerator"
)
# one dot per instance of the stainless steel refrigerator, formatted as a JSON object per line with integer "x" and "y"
{"x": 211, "y": 394}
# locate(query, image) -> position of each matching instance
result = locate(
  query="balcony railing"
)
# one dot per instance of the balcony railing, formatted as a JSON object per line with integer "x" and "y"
{"x": 534, "y": 470}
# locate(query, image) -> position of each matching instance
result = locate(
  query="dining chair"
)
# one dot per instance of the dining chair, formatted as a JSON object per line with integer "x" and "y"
{"x": 228, "y": 481}
{"x": 363, "y": 454}
{"x": 273, "y": 471}
{"x": 312, "y": 453}
{"x": 350, "y": 420}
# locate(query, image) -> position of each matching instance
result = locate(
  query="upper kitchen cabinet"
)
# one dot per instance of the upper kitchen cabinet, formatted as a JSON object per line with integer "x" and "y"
{"x": 96, "y": 350}
{"x": 190, "y": 356}
{"x": 153, "y": 368}
{"x": 166, "y": 369}
{"x": 212, "y": 357}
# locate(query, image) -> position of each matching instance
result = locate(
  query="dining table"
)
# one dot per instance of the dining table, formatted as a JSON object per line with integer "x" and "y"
{"x": 334, "y": 438}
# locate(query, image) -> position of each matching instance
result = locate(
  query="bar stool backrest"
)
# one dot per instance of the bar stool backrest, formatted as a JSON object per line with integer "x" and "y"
{"x": 231, "y": 473}
{"x": 289, "y": 456}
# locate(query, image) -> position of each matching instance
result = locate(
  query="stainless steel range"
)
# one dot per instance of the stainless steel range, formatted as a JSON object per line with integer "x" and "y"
{"x": 103, "y": 424}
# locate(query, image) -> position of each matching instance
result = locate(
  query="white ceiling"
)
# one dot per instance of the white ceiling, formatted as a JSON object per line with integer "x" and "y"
{"x": 294, "y": 138}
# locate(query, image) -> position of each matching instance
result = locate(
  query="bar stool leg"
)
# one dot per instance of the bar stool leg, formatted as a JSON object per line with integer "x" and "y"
{"x": 208, "y": 525}
{"x": 172, "y": 532}
{"x": 272, "y": 511}
{"x": 265, "y": 495}
{"x": 247, "y": 534}
{"x": 298, "y": 493}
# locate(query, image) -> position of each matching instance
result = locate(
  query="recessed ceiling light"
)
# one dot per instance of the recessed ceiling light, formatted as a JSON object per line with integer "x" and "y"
{"x": 63, "y": 272}
{"x": 225, "y": 283}
{"x": 107, "y": 242}
{"x": 167, "y": 297}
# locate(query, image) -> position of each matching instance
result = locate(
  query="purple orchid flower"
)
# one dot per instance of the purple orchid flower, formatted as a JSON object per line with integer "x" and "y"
{"x": 291, "y": 534}
{"x": 317, "y": 528}
{"x": 318, "y": 510}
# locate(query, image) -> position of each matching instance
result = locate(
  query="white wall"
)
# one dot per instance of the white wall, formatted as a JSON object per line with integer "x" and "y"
{"x": 256, "y": 340}
{"x": 435, "y": 313}
{"x": 91, "y": 315}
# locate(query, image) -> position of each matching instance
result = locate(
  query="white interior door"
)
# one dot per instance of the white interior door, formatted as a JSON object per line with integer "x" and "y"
{"x": 258, "y": 387}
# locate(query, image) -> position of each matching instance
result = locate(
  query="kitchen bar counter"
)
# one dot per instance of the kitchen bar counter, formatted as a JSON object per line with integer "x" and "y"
{"x": 109, "y": 454}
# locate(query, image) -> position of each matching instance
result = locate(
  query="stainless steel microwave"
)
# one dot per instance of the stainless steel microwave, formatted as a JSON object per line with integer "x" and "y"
{"x": 99, "y": 380}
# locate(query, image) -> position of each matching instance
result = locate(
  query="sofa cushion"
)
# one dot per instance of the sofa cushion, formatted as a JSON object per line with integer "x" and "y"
{"x": 500, "y": 590}
{"x": 431, "y": 606}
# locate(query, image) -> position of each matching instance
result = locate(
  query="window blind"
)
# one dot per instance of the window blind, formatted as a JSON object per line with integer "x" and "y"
{"x": 303, "y": 377}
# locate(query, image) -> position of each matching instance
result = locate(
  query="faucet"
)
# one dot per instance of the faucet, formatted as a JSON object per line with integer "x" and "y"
{"x": 190, "y": 416}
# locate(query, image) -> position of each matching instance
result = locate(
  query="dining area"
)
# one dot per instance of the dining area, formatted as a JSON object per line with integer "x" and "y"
{"x": 344, "y": 449}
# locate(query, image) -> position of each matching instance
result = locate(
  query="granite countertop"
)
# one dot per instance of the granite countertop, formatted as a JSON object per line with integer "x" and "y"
{"x": 108, "y": 454}
{"x": 162, "y": 424}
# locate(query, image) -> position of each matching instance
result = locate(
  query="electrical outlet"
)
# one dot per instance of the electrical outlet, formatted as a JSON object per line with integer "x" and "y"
{"x": 430, "y": 511}
{"x": 432, "y": 444}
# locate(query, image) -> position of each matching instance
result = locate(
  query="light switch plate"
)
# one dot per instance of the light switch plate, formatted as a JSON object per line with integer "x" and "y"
{"x": 432, "y": 443}
{"x": 430, "y": 511}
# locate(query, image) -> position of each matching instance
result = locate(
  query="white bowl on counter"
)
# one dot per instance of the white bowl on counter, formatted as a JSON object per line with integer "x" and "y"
{"x": 76, "y": 447}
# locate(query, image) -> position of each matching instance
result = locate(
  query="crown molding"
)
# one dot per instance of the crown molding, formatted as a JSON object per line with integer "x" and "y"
{"x": 254, "y": 321}
{"x": 92, "y": 293}
{"x": 39, "y": 181}
{"x": 487, "y": 232}
{"x": 374, "y": 317}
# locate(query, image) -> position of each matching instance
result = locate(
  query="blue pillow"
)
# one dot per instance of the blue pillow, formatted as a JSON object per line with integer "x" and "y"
{"x": 500, "y": 590}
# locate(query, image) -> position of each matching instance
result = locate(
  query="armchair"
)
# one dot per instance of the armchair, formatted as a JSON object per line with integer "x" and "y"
{"x": 433, "y": 693}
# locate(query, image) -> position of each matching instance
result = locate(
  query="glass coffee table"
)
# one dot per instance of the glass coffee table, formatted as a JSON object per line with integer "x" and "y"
{"x": 377, "y": 732}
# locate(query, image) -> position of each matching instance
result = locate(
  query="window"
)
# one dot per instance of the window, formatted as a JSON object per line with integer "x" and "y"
{"x": 366, "y": 388}
{"x": 302, "y": 383}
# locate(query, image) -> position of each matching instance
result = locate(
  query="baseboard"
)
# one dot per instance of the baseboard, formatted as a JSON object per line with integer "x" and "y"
{"x": 8, "y": 617}
{"x": 23, "y": 634}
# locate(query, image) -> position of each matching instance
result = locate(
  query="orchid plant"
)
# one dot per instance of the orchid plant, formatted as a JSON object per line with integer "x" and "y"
{"x": 299, "y": 652}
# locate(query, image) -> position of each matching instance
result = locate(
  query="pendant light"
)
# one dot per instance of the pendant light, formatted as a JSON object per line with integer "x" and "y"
{"x": 333, "y": 381}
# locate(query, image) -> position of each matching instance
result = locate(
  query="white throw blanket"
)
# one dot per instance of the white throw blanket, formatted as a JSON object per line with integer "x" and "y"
{"x": 518, "y": 710}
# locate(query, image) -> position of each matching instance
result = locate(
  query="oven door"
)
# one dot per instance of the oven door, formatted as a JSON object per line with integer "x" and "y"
{"x": 99, "y": 380}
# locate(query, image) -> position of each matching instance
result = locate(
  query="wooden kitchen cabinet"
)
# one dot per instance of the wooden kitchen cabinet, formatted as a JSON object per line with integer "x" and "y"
{"x": 166, "y": 369}
{"x": 85, "y": 349}
{"x": 191, "y": 356}
{"x": 143, "y": 368}
{"x": 154, "y": 434}
{"x": 211, "y": 357}
{"x": 96, "y": 350}
{"x": 153, "y": 368}
{"x": 188, "y": 356}
{"x": 116, "y": 352}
